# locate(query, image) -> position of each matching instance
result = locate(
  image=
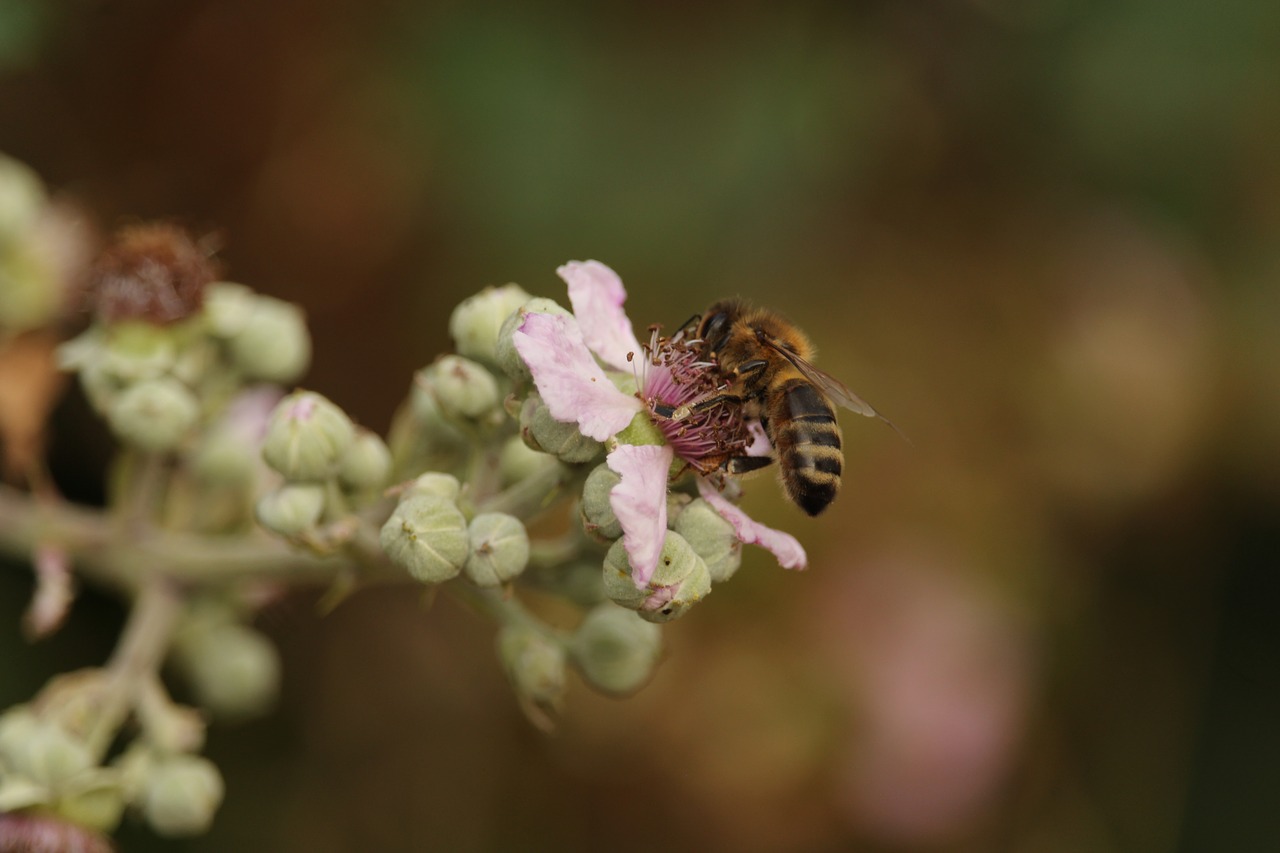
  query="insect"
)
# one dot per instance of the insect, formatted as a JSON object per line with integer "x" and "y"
{"x": 764, "y": 361}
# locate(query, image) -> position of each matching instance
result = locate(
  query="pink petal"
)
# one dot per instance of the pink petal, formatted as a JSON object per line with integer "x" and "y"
{"x": 597, "y": 295}
{"x": 640, "y": 503}
{"x": 782, "y": 545}
{"x": 570, "y": 381}
{"x": 55, "y": 590}
{"x": 760, "y": 444}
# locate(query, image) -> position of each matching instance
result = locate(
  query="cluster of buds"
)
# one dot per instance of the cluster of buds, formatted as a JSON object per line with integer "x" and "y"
{"x": 52, "y": 760}
{"x": 541, "y": 456}
{"x": 551, "y": 418}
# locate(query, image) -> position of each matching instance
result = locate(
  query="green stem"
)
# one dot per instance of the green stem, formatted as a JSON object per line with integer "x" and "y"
{"x": 533, "y": 494}
{"x": 500, "y": 606}
{"x": 548, "y": 553}
{"x": 137, "y": 657}
{"x": 108, "y": 555}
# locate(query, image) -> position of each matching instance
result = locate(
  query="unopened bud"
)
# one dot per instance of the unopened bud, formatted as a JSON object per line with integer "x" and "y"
{"x": 366, "y": 464}
{"x": 306, "y": 437}
{"x": 543, "y": 432}
{"x": 535, "y": 664}
{"x": 47, "y": 754}
{"x": 30, "y": 292}
{"x": 712, "y": 538}
{"x": 615, "y": 650}
{"x": 476, "y": 322}
{"x": 234, "y": 670}
{"x": 434, "y": 484}
{"x": 22, "y": 197}
{"x": 154, "y": 415}
{"x": 272, "y": 343}
{"x": 292, "y": 509}
{"x": 518, "y": 461}
{"x": 507, "y": 357}
{"x": 598, "y": 518}
{"x": 427, "y": 537}
{"x": 181, "y": 795}
{"x": 463, "y": 388}
{"x": 94, "y": 799}
{"x": 680, "y": 580}
{"x": 499, "y": 549}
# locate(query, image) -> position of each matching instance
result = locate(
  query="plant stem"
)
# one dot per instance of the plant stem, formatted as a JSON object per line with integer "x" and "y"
{"x": 137, "y": 657}
{"x": 105, "y": 553}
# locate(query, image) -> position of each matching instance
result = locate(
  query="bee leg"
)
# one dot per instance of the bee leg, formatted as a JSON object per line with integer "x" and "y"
{"x": 744, "y": 464}
{"x": 689, "y": 408}
{"x": 749, "y": 367}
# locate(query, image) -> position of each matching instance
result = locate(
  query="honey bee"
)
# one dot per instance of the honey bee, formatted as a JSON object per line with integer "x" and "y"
{"x": 764, "y": 362}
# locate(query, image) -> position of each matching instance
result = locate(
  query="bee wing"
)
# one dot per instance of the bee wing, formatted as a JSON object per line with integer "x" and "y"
{"x": 834, "y": 388}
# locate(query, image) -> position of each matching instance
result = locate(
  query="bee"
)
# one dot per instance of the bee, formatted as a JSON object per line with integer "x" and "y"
{"x": 764, "y": 361}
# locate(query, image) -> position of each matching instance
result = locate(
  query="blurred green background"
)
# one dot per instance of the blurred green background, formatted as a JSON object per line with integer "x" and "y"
{"x": 1042, "y": 236}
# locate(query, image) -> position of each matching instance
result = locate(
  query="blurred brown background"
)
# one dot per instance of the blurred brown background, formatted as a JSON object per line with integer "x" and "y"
{"x": 1042, "y": 236}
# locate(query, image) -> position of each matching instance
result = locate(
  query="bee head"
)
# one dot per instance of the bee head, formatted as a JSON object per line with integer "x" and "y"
{"x": 716, "y": 325}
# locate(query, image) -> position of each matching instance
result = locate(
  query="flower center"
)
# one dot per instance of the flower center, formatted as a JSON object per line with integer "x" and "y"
{"x": 674, "y": 374}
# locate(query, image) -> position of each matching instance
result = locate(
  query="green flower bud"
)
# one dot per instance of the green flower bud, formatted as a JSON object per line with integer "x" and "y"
{"x": 49, "y": 755}
{"x": 434, "y": 484}
{"x": 17, "y": 726}
{"x": 30, "y": 292}
{"x": 227, "y": 308}
{"x": 154, "y": 415}
{"x": 507, "y": 357}
{"x": 543, "y": 432}
{"x": 306, "y": 437}
{"x": 271, "y": 343}
{"x": 224, "y": 458}
{"x": 134, "y": 351}
{"x": 427, "y": 536}
{"x": 134, "y": 766}
{"x": 292, "y": 509}
{"x": 475, "y": 323}
{"x": 519, "y": 462}
{"x": 463, "y": 388}
{"x": 181, "y": 795}
{"x": 18, "y": 792}
{"x": 22, "y": 197}
{"x": 711, "y": 537}
{"x": 234, "y": 670}
{"x": 596, "y": 510}
{"x": 94, "y": 799}
{"x": 680, "y": 580}
{"x": 615, "y": 650}
{"x": 421, "y": 437}
{"x": 366, "y": 464}
{"x": 535, "y": 664}
{"x": 676, "y": 503}
{"x": 499, "y": 549}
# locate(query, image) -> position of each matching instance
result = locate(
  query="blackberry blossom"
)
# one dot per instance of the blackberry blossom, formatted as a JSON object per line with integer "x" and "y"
{"x": 567, "y": 355}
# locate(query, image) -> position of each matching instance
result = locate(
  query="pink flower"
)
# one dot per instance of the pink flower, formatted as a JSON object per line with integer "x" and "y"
{"x": 564, "y": 355}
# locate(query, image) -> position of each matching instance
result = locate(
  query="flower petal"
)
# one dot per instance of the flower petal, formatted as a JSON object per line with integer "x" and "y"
{"x": 597, "y": 295}
{"x": 760, "y": 444}
{"x": 570, "y": 381}
{"x": 640, "y": 503}
{"x": 782, "y": 545}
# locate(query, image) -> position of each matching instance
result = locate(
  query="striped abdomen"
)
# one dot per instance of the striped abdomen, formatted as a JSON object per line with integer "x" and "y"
{"x": 808, "y": 443}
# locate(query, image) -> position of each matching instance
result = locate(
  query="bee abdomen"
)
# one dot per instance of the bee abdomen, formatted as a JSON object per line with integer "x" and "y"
{"x": 808, "y": 441}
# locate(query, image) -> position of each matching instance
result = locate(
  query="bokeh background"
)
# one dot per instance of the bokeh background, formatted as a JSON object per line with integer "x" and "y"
{"x": 1042, "y": 235}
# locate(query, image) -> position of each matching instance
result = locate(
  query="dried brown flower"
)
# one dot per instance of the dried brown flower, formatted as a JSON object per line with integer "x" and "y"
{"x": 152, "y": 272}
